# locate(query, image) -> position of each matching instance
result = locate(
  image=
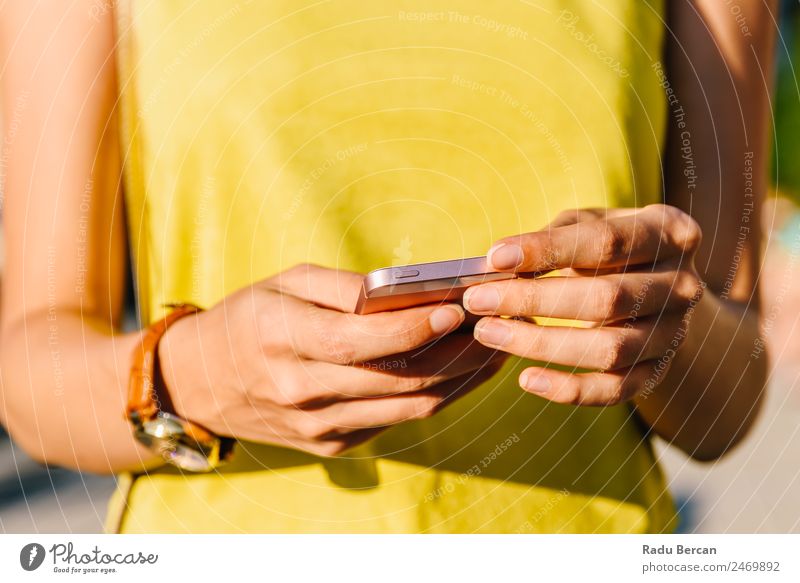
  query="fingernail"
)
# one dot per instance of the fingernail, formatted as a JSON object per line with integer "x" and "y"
{"x": 534, "y": 382}
{"x": 481, "y": 299}
{"x": 505, "y": 256}
{"x": 446, "y": 318}
{"x": 492, "y": 332}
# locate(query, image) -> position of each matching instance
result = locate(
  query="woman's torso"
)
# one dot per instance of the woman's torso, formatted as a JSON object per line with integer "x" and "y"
{"x": 259, "y": 135}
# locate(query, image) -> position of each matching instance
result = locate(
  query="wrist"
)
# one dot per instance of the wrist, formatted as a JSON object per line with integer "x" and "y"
{"x": 669, "y": 370}
{"x": 181, "y": 441}
{"x": 174, "y": 354}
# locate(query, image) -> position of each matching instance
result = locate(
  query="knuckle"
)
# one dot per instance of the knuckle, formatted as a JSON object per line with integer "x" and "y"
{"x": 541, "y": 246}
{"x": 268, "y": 328}
{"x": 687, "y": 286}
{"x": 611, "y": 244}
{"x": 658, "y": 207}
{"x": 594, "y": 212}
{"x": 610, "y": 298}
{"x": 295, "y": 274}
{"x": 426, "y": 407}
{"x": 265, "y": 330}
{"x": 331, "y": 448}
{"x": 528, "y": 300}
{"x": 340, "y": 348}
{"x": 686, "y": 230}
{"x": 300, "y": 268}
{"x": 617, "y": 351}
{"x": 412, "y": 384}
{"x": 570, "y": 392}
{"x": 695, "y": 234}
{"x": 663, "y": 212}
{"x": 690, "y": 234}
{"x": 407, "y": 335}
{"x": 567, "y": 216}
{"x": 313, "y": 428}
{"x": 534, "y": 343}
{"x": 618, "y": 393}
{"x": 291, "y": 394}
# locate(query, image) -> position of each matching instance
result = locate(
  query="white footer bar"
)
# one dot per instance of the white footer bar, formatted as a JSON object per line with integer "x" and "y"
{"x": 398, "y": 558}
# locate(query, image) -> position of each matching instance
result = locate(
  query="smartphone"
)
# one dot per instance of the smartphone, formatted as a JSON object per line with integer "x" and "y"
{"x": 394, "y": 288}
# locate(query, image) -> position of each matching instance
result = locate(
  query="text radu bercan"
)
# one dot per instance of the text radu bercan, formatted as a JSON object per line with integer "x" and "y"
{"x": 677, "y": 550}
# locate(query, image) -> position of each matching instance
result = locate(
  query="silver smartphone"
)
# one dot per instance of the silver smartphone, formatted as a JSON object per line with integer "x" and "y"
{"x": 394, "y": 288}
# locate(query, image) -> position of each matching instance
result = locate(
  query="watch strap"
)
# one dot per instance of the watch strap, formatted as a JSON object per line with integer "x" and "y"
{"x": 143, "y": 399}
{"x": 147, "y": 396}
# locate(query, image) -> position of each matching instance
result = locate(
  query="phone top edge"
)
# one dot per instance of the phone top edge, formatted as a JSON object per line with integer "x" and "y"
{"x": 468, "y": 260}
{"x": 387, "y": 276}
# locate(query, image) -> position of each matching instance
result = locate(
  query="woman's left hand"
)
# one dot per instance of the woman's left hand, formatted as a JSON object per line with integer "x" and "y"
{"x": 630, "y": 273}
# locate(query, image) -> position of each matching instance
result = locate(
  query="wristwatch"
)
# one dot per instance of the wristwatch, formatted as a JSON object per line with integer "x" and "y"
{"x": 180, "y": 442}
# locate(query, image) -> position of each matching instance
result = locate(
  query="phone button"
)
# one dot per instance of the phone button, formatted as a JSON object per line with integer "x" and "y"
{"x": 404, "y": 273}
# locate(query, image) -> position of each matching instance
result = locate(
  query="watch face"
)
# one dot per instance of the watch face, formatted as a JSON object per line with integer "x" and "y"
{"x": 186, "y": 458}
{"x": 166, "y": 435}
{"x": 164, "y": 426}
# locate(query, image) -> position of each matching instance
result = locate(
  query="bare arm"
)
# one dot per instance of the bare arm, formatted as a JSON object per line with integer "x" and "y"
{"x": 64, "y": 366}
{"x": 719, "y": 64}
{"x": 292, "y": 375}
{"x": 670, "y": 288}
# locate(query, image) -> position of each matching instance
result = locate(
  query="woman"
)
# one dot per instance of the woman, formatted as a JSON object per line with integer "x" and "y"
{"x": 271, "y": 152}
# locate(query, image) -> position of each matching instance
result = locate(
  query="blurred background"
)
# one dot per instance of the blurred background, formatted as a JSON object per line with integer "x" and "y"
{"x": 755, "y": 488}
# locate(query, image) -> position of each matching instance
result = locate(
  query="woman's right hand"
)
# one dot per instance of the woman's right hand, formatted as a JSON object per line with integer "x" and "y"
{"x": 285, "y": 362}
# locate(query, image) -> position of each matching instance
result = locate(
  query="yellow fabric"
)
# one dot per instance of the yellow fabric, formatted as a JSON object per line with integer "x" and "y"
{"x": 259, "y": 135}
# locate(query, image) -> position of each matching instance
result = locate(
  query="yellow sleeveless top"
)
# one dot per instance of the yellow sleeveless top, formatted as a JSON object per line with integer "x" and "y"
{"x": 356, "y": 135}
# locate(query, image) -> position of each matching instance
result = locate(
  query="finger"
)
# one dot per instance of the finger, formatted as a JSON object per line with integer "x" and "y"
{"x": 593, "y": 389}
{"x": 603, "y": 348}
{"x": 335, "y": 289}
{"x": 427, "y": 367}
{"x": 334, "y": 446}
{"x": 339, "y": 445}
{"x": 345, "y": 417}
{"x": 645, "y": 236}
{"x": 330, "y": 336}
{"x": 572, "y": 216}
{"x": 604, "y": 298}
{"x": 312, "y": 383}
